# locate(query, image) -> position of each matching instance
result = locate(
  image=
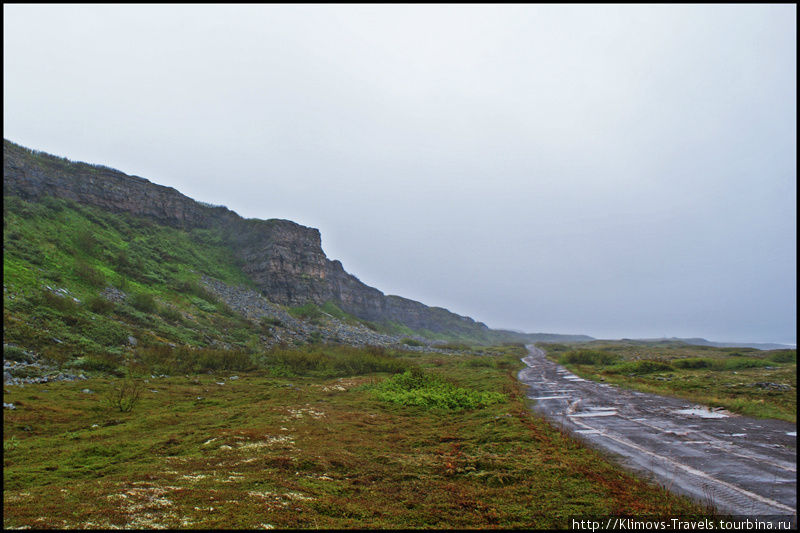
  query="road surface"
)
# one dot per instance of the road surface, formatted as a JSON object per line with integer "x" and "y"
{"x": 744, "y": 466}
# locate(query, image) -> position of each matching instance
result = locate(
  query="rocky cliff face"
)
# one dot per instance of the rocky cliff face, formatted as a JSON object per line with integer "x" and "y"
{"x": 283, "y": 258}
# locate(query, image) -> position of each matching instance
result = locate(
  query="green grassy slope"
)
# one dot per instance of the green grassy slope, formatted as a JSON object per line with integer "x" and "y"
{"x": 60, "y": 257}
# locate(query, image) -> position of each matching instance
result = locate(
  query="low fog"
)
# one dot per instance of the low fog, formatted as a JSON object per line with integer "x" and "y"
{"x": 615, "y": 171}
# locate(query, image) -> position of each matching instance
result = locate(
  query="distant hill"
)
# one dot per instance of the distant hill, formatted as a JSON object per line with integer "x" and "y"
{"x": 697, "y": 341}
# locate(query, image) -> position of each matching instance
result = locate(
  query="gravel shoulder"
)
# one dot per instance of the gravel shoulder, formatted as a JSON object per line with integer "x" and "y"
{"x": 741, "y": 465}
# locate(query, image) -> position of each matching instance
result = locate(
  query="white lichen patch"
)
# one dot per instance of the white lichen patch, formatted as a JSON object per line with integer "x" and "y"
{"x": 269, "y": 442}
{"x": 142, "y": 504}
{"x": 296, "y": 496}
{"x": 303, "y": 411}
{"x": 195, "y": 477}
{"x": 331, "y": 388}
{"x": 273, "y": 499}
{"x": 16, "y": 497}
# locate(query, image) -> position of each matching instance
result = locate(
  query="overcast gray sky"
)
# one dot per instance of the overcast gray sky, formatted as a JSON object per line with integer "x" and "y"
{"x": 617, "y": 171}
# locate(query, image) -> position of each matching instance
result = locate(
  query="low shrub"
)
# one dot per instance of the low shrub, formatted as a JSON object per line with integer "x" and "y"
{"x": 168, "y": 360}
{"x": 307, "y": 311}
{"x": 408, "y": 341}
{"x": 86, "y": 241}
{"x": 99, "y": 362}
{"x": 125, "y": 394}
{"x": 415, "y": 388}
{"x": 100, "y": 305}
{"x": 267, "y": 321}
{"x": 144, "y": 302}
{"x": 15, "y": 353}
{"x": 331, "y": 360}
{"x": 65, "y": 304}
{"x": 195, "y": 288}
{"x": 783, "y": 356}
{"x": 693, "y": 362}
{"x": 89, "y": 274}
{"x": 588, "y": 357}
{"x": 481, "y": 362}
{"x": 170, "y": 313}
{"x": 455, "y": 346}
{"x": 105, "y": 332}
{"x": 648, "y": 366}
{"x": 740, "y": 364}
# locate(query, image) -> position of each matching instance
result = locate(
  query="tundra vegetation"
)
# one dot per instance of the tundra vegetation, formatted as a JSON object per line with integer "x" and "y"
{"x": 310, "y": 440}
{"x": 743, "y": 380}
{"x": 193, "y": 415}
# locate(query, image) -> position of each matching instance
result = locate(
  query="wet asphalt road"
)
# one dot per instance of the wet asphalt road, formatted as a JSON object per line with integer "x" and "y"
{"x": 745, "y": 466}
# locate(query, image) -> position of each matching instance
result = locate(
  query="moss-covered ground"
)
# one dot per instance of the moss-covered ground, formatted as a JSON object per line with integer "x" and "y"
{"x": 306, "y": 450}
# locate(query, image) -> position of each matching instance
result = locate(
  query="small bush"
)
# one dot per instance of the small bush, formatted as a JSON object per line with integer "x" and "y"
{"x": 408, "y": 341}
{"x": 89, "y": 274}
{"x": 455, "y": 346}
{"x": 415, "y": 388}
{"x": 86, "y": 241}
{"x": 122, "y": 283}
{"x": 99, "y": 362}
{"x": 307, "y": 311}
{"x": 65, "y": 304}
{"x": 481, "y": 362}
{"x": 740, "y": 364}
{"x": 588, "y": 357}
{"x": 125, "y": 394}
{"x": 783, "y": 356}
{"x": 693, "y": 362}
{"x": 15, "y": 353}
{"x": 266, "y": 322}
{"x": 168, "y": 360}
{"x": 144, "y": 302}
{"x": 170, "y": 313}
{"x": 105, "y": 332}
{"x": 100, "y": 305}
{"x": 648, "y": 366}
{"x": 195, "y": 288}
{"x": 331, "y": 360}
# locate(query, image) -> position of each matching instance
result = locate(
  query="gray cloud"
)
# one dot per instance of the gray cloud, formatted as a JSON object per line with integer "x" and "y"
{"x": 609, "y": 170}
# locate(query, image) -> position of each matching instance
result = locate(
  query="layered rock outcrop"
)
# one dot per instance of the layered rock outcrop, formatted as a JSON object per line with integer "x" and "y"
{"x": 283, "y": 258}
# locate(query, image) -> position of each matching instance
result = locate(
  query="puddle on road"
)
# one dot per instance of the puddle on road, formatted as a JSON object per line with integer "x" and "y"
{"x": 549, "y": 397}
{"x": 595, "y": 413}
{"x": 702, "y": 413}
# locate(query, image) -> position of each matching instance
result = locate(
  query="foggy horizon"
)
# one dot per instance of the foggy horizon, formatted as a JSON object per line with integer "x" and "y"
{"x": 612, "y": 171}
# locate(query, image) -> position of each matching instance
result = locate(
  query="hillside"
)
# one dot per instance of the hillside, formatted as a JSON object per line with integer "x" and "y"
{"x": 97, "y": 262}
{"x": 184, "y": 367}
{"x": 281, "y": 259}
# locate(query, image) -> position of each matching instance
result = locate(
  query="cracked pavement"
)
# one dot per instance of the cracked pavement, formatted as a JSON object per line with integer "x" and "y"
{"x": 741, "y": 465}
